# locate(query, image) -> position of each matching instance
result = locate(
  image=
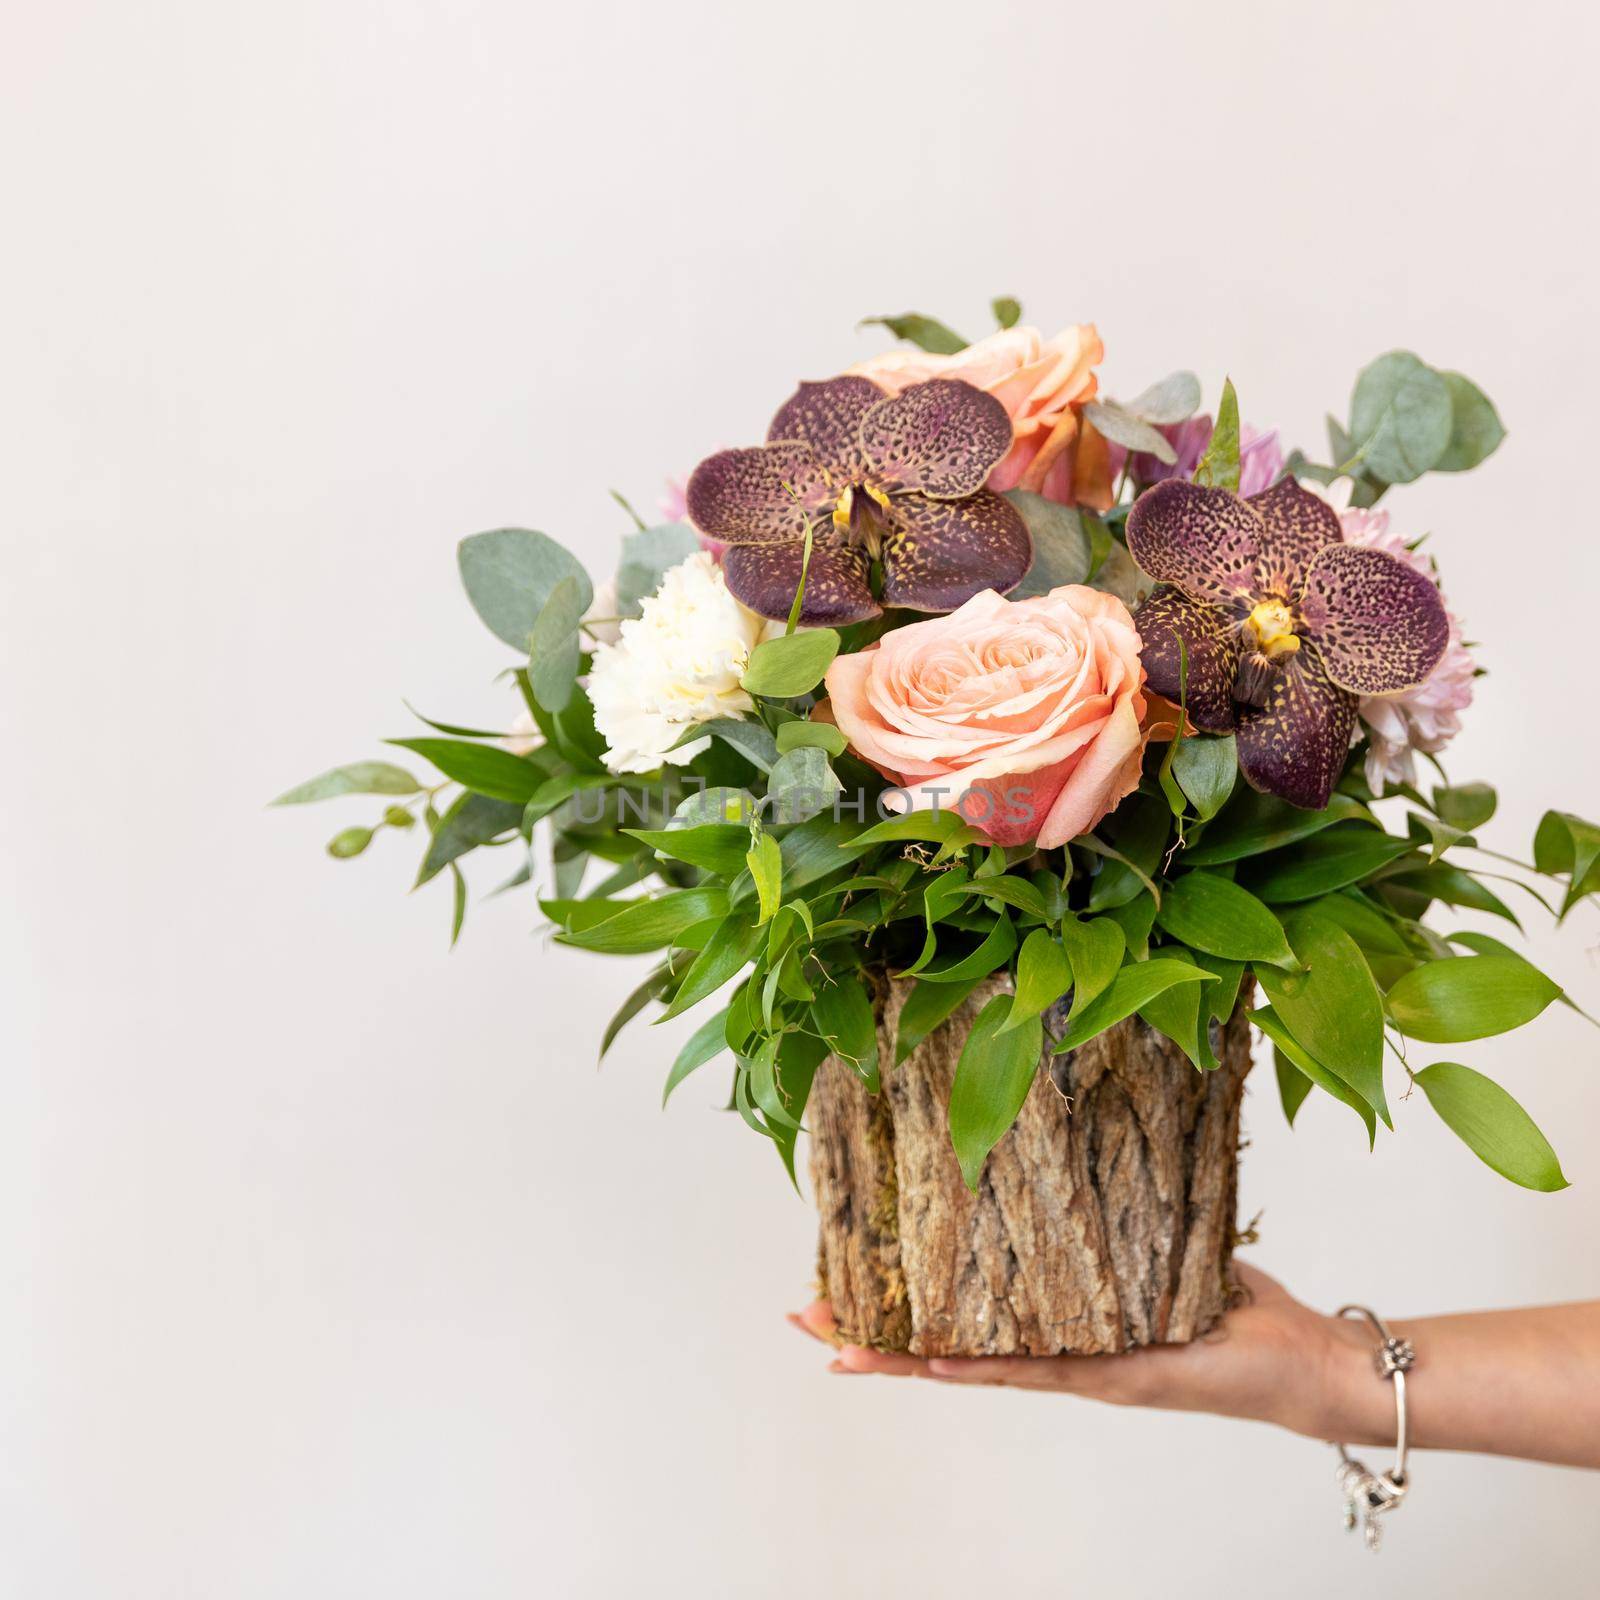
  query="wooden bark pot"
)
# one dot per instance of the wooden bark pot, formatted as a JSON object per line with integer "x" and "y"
{"x": 1103, "y": 1220}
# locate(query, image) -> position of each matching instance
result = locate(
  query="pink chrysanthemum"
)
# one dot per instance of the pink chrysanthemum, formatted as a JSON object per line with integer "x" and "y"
{"x": 1428, "y": 717}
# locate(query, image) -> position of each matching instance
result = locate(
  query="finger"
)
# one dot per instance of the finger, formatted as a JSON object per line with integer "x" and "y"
{"x": 889, "y": 1363}
{"x": 817, "y": 1320}
{"x": 1096, "y": 1377}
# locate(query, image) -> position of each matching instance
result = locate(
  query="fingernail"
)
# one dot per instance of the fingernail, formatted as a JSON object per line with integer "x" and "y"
{"x": 941, "y": 1367}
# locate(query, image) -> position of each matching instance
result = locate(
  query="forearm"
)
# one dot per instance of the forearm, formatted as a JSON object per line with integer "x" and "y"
{"x": 1511, "y": 1383}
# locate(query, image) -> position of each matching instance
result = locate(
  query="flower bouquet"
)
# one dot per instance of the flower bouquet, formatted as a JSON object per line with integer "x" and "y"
{"x": 985, "y": 762}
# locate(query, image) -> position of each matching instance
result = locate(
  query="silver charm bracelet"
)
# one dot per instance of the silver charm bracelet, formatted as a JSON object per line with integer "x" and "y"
{"x": 1368, "y": 1495}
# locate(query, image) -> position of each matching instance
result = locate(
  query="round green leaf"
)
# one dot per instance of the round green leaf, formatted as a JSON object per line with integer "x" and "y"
{"x": 1400, "y": 417}
{"x": 510, "y": 574}
{"x": 1475, "y": 426}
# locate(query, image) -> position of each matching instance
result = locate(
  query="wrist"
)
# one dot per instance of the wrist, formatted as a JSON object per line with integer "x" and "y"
{"x": 1347, "y": 1402}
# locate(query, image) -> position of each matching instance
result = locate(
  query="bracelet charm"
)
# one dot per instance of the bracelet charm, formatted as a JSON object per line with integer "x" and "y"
{"x": 1369, "y": 1495}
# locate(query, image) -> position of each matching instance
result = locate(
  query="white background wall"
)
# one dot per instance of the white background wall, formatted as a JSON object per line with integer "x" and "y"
{"x": 329, "y": 1266}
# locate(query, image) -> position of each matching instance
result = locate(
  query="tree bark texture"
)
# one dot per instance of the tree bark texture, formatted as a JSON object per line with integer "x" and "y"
{"x": 1103, "y": 1220}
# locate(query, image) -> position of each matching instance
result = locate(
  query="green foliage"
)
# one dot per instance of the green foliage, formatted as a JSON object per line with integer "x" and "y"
{"x": 927, "y": 333}
{"x": 1406, "y": 419}
{"x": 1007, "y": 311}
{"x": 1043, "y": 975}
{"x": 1213, "y": 914}
{"x": 843, "y": 1018}
{"x": 1468, "y": 997}
{"x": 1331, "y": 1006}
{"x": 791, "y": 665}
{"x": 1492, "y": 1125}
{"x": 799, "y": 735}
{"x": 479, "y": 767}
{"x": 747, "y": 881}
{"x": 1219, "y": 466}
{"x": 553, "y": 651}
{"x": 1062, "y": 552}
{"x": 510, "y": 575}
{"x": 1136, "y": 985}
{"x": 992, "y": 1079}
{"x": 646, "y": 555}
{"x": 360, "y": 777}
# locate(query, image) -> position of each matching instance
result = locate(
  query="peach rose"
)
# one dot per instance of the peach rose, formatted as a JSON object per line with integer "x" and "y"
{"x": 1024, "y": 714}
{"x": 1042, "y": 383}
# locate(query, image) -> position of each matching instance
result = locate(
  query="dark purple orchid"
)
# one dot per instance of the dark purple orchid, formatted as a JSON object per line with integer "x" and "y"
{"x": 1283, "y": 625}
{"x": 902, "y": 480}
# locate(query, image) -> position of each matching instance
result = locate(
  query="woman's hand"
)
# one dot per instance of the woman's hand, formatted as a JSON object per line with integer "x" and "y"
{"x": 1272, "y": 1360}
{"x": 1515, "y": 1383}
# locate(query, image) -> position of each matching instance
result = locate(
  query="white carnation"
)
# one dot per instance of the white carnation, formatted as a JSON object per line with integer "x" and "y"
{"x": 678, "y": 664}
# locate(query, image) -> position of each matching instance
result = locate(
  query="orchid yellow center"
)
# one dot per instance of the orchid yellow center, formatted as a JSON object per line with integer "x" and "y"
{"x": 847, "y": 509}
{"x": 1271, "y": 624}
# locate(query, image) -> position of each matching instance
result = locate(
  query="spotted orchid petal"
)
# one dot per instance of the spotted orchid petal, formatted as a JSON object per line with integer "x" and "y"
{"x": 763, "y": 495}
{"x": 1190, "y": 654}
{"x": 1206, "y": 541}
{"x": 942, "y": 438}
{"x": 827, "y": 416}
{"x": 1380, "y": 624}
{"x": 1298, "y": 526}
{"x": 937, "y": 554}
{"x": 1295, "y": 746}
{"x": 765, "y": 577}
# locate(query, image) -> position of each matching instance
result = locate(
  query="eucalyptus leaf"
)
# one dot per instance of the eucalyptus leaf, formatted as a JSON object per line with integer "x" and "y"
{"x": 1401, "y": 416}
{"x": 553, "y": 649}
{"x": 801, "y": 785}
{"x": 510, "y": 574}
{"x": 646, "y": 557}
{"x": 1132, "y": 432}
{"x": 750, "y": 738}
{"x": 1061, "y": 549}
{"x": 1475, "y": 426}
{"x": 799, "y": 734}
{"x": 1174, "y": 399}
